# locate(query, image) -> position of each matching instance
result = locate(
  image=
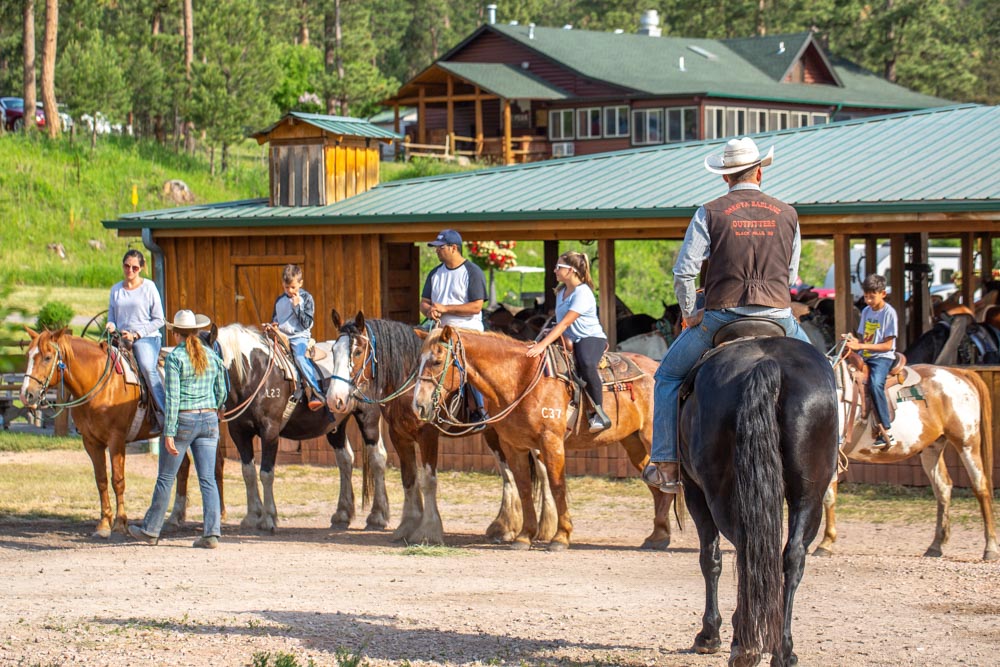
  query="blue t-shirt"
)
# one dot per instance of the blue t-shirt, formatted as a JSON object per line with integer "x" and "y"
{"x": 581, "y": 301}
{"x": 875, "y": 327}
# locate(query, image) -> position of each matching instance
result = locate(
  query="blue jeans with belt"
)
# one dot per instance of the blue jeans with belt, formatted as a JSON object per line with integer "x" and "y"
{"x": 147, "y": 352}
{"x": 681, "y": 357}
{"x": 305, "y": 364}
{"x": 878, "y": 371}
{"x": 198, "y": 431}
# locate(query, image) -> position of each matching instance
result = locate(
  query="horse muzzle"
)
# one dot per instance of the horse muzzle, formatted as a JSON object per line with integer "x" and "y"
{"x": 30, "y": 398}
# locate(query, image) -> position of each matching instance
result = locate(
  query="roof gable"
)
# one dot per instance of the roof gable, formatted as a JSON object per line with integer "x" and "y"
{"x": 340, "y": 125}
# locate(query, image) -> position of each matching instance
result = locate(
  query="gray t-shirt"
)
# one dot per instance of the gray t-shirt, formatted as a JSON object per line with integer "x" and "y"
{"x": 138, "y": 310}
{"x": 875, "y": 327}
{"x": 295, "y": 321}
{"x": 581, "y": 301}
{"x": 450, "y": 287}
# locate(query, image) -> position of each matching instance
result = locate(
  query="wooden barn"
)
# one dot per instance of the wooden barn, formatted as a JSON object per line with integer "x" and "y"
{"x": 904, "y": 178}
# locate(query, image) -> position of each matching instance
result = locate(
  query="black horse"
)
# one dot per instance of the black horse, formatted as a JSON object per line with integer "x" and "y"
{"x": 258, "y": 405}
{"x": 759, "y": 427}
{"x": 375, "y": 366}
{"x": 955, "y": 340}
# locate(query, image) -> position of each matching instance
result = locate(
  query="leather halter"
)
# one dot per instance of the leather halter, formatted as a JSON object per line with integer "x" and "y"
{"x": 60, "y": 365}
{"x": 357, "y": 381}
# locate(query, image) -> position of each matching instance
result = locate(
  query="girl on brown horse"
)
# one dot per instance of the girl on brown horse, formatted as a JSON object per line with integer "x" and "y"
{"x": 576, "y": 315}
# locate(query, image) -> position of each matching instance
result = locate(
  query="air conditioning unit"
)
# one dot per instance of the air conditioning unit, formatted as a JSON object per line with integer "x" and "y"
{"x": 563, "y": 149}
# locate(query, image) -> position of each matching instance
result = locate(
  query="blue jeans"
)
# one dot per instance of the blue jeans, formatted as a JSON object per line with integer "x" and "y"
{"x": 200, "y": 432}
{"x": 147, "y": 352}
{"x": 878, "y": 371}
{"x": 305, "y": 364}
{"x": 681, "y": 357}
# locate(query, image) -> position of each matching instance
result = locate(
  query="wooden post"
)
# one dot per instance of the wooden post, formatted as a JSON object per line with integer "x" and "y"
{"x": 897, "y": 273}
{"x": 968, "y": 272}
{"x": 508, "y": 157}
{"x": 920, "y": 288}
{"x": 986, "y": 257}
{"x": 395, "y": 117}
{"x": 421, "y": 118}
{"x": 479, "y": 124}
{"x": 450, "y": 107}
{"x": 842, "y": 315}
{"x": 551, "y": 253}
{"x": 871, "y": 257}
{"x": 606, "y": 257}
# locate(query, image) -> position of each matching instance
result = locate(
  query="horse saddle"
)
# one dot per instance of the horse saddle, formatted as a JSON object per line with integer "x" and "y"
{"x": 283, "y": 357}
{"x": 900, "y": 384}
{"x": 125, "y": 364}
{"x": 744, "y": 328}
{"x": 614, "y": 368}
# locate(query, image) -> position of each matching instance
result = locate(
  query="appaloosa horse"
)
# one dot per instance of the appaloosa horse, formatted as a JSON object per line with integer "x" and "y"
{"x": 951, "y": 407}
{"x": 258, "y": 405}
{"x": 103, "y": 405}
{"x": 530, "y": 411}
{"x": 375, "y": 368}
{"x": 758, "y": 429}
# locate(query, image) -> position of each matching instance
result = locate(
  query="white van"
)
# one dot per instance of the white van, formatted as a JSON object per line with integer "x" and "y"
{"x": 944, "y": 261}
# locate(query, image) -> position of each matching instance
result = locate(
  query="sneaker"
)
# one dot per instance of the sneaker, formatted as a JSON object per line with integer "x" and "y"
{"x": 664, "y": 476}
{"x": 597, "y": 424}
{"x": 135, "y": 531}
{"x": 211, "y": 542}
{"x": 478, "y": 419}
{"x": 315, "y": 404}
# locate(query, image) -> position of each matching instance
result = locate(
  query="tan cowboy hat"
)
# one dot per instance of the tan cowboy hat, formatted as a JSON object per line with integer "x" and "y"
{"x": 185, "y": 320}
{"x": 740, "y": 154}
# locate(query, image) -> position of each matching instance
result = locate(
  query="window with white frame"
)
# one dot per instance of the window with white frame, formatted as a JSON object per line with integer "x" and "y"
{"x": 561, "y": 125}
{"x": 777, "y": 120}
{"x": 715, "y": 122}
{"x": 616, "y": 121}
{"x": 682, "y": 124}
{"x": 819, "y": 119}
{"x": 800, "y": 119}
{"x": 757, "y": 120}
{"x": 736, "y": 122}
{"x": 588, "y": 123}
{"x": 647, "y": 126}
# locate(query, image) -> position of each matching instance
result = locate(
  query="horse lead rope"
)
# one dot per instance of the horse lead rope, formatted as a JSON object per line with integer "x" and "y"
{"x": 85, "y": 398}
{"x": 237, "y": 411}
{"x": 371, "y": 360}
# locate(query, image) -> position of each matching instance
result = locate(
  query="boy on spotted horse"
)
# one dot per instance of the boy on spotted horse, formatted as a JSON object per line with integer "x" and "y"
{"x": 294, "y": 313}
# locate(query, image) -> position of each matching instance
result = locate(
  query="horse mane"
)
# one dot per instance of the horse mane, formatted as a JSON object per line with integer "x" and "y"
{"x": 236, "y": 340}
{"x": 397, "y": 350}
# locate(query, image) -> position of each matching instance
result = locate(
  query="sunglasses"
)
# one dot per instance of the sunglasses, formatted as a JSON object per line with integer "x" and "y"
{"x": 565, "y": 266}
{"x": 131, "y": 267}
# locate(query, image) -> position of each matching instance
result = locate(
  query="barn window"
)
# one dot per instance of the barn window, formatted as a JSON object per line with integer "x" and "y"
{"x": 647, "y": 126}
{"x": 561, "y": 124}
{"x": 588, "y": 123}
{"x": 682, "y": 124}
{"x": 616, "y": 121}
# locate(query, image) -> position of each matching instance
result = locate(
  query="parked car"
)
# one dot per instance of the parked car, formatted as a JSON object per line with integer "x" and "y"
{"x": 12, "y": 112}
{"x": 103, "y": 125}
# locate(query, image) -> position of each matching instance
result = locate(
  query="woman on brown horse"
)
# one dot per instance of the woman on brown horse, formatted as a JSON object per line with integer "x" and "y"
{"x": 531, "y": 411}
{"x": 576, "y": 315}
{"x": 103, "y": 405}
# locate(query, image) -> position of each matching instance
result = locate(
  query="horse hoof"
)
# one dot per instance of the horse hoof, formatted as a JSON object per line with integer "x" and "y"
{"x": 557, "y": 546}
{"x": 336, "y": 525}
{"x": 376, "y": 523}
{"x": 656, "y": 545}
{"x": 822, "y": 552}
{"x": 103, "y": 533}
{"x": 704, "y": 646}
{"x": 933, "y": 552}
{"x": 991, "y": 555}
{"x": 520, "y": 545}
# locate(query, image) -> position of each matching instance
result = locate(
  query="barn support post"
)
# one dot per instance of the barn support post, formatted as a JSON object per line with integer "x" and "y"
{"x": 843, "y": 303}
{"x": 479, "y": 125}
{"x": 450, "y": 113}
{"x": 897, "y": 279}
{"x": 508, "y": 157}
{"x": 920, "y": 286}
{"x": 968, "y": 269}
{"x": 871, "y": 257}
{"x": 606, "y": 266}
{"x": 421, "y": 117}
{"x": 551, "y": 252}
{"x": 985, "y": 257}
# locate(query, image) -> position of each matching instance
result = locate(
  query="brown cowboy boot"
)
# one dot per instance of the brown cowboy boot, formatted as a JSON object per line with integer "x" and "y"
{"x": 663, "y": 475}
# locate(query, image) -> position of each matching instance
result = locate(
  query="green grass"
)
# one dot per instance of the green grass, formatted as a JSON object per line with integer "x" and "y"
{"x": 30, "y": 442}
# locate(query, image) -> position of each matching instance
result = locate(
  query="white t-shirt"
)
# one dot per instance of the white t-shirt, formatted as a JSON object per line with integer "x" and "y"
{"x": 450, "y": 287}
{"x": 581, "y": 301}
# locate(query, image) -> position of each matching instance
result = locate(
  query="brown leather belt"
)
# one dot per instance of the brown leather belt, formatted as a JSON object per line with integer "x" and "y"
{"x": 198, "y": 410}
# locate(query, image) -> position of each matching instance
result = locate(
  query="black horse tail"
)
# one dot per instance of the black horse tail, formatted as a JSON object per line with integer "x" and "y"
{"x": 759, "y": 496}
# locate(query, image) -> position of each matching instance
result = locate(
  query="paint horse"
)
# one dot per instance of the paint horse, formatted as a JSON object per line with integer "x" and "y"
{"x": 375, "y": 368}
{"x": 259, "y": 395}
{"x": 758, "y": 429}
{"x": 104, "y": 408}
{"x": 531, "y": 412}
{"x": 951, "y": 407}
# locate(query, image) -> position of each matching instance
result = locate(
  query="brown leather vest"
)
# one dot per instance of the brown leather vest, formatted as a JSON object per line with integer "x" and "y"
{"x": 751, "y": 237}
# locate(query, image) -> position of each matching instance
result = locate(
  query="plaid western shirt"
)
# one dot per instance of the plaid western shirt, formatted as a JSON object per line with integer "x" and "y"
{"x": 187, "y": 391}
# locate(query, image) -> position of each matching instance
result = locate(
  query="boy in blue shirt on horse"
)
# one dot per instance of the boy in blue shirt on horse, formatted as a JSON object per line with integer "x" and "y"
{"x": 294, "y": 312}
{"x": 878, "y": 330}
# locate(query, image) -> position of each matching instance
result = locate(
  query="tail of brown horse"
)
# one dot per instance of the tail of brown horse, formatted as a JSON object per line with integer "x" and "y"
{"x": 759, "y": 497}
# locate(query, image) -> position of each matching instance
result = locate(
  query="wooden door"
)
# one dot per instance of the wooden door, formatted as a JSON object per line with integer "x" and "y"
{"x": 257, "y": 287}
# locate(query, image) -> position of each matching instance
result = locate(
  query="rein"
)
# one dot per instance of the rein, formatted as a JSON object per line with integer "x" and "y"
{"x": 371, "y": 360}
{"x": 61, "y": 366}
{"x": 230, "y": 415}
{"x": 446, "y": 416}
{"x": 854, "y": 405}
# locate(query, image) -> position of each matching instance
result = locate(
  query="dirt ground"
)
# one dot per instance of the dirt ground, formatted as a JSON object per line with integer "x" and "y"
{"x": 319, "y": 595}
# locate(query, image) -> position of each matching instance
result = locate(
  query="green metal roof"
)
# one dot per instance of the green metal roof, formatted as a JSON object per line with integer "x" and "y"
{"x": 343, "y": 125}
{"x": 741, "y": 68}
{"x": 936, "y": 160}
{"x": 507, "y": 81}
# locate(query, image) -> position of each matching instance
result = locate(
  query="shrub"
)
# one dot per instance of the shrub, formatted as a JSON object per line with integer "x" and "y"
{"x": 53, "y": 316}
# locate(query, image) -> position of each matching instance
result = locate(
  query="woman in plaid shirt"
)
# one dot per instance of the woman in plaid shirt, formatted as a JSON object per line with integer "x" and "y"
{"x": 195, "y": 381}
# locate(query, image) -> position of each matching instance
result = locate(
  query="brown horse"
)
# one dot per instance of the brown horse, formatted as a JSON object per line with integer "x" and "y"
{"x": 531, "y": 412}
{"x": 955, "y": 409}
{"x": 104, "y": 407}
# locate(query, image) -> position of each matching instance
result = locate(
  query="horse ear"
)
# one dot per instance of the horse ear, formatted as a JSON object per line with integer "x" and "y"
{"x": 422, "y": 334}
{"x": 335, "y": 317}
{"x": 447, "y": 334}
{"x": 31, "y": 332}
{"x": 65, "y": 331}
{"x": 213, "y": 335}
{"x": 359, "y": 321}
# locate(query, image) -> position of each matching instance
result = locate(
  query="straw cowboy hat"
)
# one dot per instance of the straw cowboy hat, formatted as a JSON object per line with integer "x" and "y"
{"x": 740, "y": 154}
{"x": 185, "y": 320}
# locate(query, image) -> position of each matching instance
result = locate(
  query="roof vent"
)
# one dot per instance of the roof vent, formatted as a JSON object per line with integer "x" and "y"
{"x": 680, "y": 64}
{"x": 491, "y": 12}
{"x": 568, "y": 26}
{"x": 619, "y": 31}
{"x": 649, "y": 23}
{"x": 513, "y": 22}
{"x": 704, "y": 53}
{"x": 531, "y": 31}
{"x": 781, "y": 48}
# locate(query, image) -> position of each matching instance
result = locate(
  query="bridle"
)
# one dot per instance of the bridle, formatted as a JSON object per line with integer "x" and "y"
{"x": 446, "y": 414}
{"x": 842, "y": 373}
{"x": 358, "y": 379}
{"x": 60, "y": 365}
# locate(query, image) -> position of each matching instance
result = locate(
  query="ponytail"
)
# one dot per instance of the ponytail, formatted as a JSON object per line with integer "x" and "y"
{"x": 196, "y": 352}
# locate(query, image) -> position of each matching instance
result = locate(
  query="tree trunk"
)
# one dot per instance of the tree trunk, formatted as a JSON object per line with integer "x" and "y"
{"x": 93, "y": 132}
{"x": 304, "y": 23}
{"x": 334, "y": 60}
{"x": 30, "y": 94}
{"x": 52, "y": 122}
{"x": 761, "y": 11}
{"x": 225, "y": 157}
{"x": 188, "y": 59}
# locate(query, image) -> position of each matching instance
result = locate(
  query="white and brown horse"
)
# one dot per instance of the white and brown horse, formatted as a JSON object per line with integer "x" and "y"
{"x": 955, "y": 410}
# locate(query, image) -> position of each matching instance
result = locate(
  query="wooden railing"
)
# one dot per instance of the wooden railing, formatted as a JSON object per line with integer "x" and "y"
{"x": 523, "y": 148}
{"x": 13, "y": 363}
